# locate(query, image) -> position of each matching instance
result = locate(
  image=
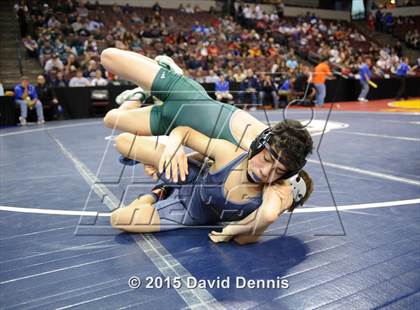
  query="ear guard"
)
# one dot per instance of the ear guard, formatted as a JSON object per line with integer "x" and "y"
{"x": 299, "y": 189}
{"x": 263, "y": 141}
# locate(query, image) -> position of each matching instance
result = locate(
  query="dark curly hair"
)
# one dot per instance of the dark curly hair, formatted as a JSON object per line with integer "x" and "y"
{"x": 293, "y": 141}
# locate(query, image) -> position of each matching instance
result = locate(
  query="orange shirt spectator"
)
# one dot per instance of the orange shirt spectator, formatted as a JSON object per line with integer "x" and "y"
{"x": 339, "y": 35}
{"x": 272, "y": 51}
{"x": 320, "y": 73}
{"x": 212, "y": 50}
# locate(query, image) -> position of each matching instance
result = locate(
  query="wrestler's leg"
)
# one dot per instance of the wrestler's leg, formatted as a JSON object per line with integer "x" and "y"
{"x": 130, "y": 105}
{"x": 144, "y": 149}
{"x": 138, "y": 217}
{"x": 133, "y": 120}
{"x": 136, "y": 68}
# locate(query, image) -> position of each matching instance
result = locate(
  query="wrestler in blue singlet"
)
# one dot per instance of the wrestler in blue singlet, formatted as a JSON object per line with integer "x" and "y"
{"x": 200, "y": 200}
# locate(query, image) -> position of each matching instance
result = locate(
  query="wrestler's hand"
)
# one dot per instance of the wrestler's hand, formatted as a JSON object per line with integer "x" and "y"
{"x": 217, "y": 237}
{"x": 174, "y": 161}
{"x": 151, "y": 172}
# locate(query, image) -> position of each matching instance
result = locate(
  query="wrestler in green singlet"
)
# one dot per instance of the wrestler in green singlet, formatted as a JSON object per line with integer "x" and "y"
{"x": 186, "y": 103}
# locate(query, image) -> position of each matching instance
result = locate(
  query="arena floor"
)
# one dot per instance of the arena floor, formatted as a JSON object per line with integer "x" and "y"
{"x": 355, "y": 246}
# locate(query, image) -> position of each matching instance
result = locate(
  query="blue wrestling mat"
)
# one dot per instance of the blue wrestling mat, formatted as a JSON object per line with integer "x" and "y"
{"x": 355, "y": 245}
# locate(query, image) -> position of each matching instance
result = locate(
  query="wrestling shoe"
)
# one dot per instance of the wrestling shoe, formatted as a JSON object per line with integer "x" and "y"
{"x": 137, "y": 93}
{"x": 168, "y": 63}
{"x": 128, "y": 161}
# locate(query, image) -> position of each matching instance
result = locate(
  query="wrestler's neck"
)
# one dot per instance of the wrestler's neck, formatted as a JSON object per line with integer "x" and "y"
{"x": 245, "y": 177}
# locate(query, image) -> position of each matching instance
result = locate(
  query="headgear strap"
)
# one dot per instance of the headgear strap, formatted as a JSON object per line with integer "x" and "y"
{"x": 263, "y": 141}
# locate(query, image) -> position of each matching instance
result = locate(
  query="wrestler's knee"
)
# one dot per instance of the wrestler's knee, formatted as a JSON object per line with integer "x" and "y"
{"x": 139, "y": 219}
{"x": 115, "y": 218}
{"x": 122, "y": 218}
{"x": 111, "y": 118}
{"x": 107, "y": 55}
{"x": 123, "y": 142}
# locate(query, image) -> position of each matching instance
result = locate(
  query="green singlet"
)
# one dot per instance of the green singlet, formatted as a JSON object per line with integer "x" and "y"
{"x": 186, "y": 103}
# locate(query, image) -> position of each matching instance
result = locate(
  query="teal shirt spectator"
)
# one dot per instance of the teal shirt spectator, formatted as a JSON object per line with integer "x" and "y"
{"x": 292, "y": 64}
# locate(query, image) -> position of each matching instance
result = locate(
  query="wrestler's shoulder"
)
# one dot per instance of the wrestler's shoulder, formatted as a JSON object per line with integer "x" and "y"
{"x": 280, "y": 189}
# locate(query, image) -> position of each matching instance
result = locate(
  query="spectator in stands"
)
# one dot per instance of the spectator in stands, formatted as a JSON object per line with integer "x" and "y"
{"x": 21, "y": 11}
{"x": 248, "y": 15}
{"x": 79, "y": 80}
{"x": 91, "y": 68}
{"x": 71, "y": 64}
{"x": 117, "y": 81}
{"x": 301, "y": 86}
{"x": 189, "y": 9}
{"x": 119, "y": 29}
{"x": 46, "y": 96}
{"x": 45, "y": 52}
{"x": 116, "y": 9}
{"x": 255, "y": 50}
{"x": 31, "y": 46}
{"x": 127, "y": 9}
{"x": 211, "y": 77}
{"x": 371, "y": 22}
{"x": 81, "y": 10}
{"x": 181, "y": 8}
{"x": 94, "y": 24}
{"x": 239, "y": 74}
{"x": 222, "y": 88}
{"x": 26, "y": 97}
{"x": 268, "y": 89}
{"x": 98, "y": 80}
{"x": 321, "y": 72}
{"x": 156, "y": 7}
{"x": 90, "y": 44}
{"x": 388, "y": 21}
{"x": 378, "y": 20}
{"x": 77, "y": 25}
{"x": 412, "y": 39}
{"x": 249, "y": 87}
{"x": 53, "y": 22}
{"x": 213, "y": 50}
{"x": 197, "y": 8}
{"x": 284, "y": 91}
{"x": 171, "y": 25}
{"x": 136, "y": 19}
{"x": 365, "y": 75}
{"x": 292, "y": 63}
{"x": 57, "y": 79}
{"x": 53, "y": 63}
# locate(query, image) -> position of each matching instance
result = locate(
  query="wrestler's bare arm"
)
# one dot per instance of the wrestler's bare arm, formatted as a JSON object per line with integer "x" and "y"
{"x": 276, "y": 200}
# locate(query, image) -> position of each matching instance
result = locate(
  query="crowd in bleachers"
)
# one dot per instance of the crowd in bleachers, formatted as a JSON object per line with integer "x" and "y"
{"x": 68, "y": 36}
{"x": 404, "y": 28}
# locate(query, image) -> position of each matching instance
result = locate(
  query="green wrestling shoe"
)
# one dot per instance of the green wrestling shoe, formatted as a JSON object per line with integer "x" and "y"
{"x": 168, "y": 63}
{"x": 137, "y": 93}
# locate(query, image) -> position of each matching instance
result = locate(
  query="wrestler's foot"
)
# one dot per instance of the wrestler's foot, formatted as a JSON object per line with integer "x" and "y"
{"x": 168, "y": 63}
{"x": 137, "y": 93}
{"x": 128, "y": 161}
